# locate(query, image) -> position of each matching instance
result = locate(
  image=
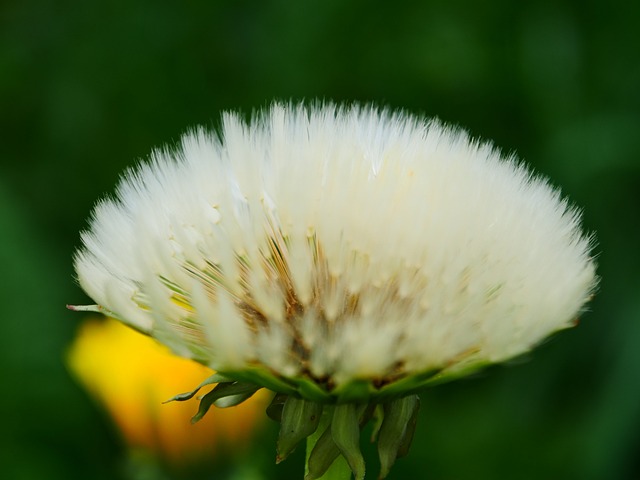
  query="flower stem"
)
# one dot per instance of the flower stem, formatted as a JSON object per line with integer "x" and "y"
{"x": 339, "y": 470}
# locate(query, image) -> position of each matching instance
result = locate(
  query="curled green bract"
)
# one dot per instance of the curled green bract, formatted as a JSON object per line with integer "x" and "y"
{"x": 345, "y": 414}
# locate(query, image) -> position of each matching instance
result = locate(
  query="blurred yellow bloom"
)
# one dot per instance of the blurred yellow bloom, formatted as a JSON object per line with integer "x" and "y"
{"x": 131, "y": 375}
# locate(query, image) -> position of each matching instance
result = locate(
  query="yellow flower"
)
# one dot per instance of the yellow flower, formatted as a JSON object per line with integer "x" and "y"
{"x": 131, "y": 375}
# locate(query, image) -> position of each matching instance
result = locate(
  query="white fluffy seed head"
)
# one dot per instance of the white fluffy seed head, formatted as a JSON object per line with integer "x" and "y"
{"x": 337, "y": 243}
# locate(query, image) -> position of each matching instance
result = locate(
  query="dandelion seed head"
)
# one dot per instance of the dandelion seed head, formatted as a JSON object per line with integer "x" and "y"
{"x": 338, "y": 244}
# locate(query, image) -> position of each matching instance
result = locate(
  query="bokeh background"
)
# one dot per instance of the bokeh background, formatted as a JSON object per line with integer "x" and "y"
{"x": 89, "y": 88}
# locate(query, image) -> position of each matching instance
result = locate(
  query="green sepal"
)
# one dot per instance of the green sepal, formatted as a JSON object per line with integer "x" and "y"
{"x": 275, "y": 408}
{"x": 407, "y": 385}
{"x": 233, "y": 400}
{"x": 396, "y": 431}
{"x": 417, "y": 382}
{"x": 264, "y": 378}
{"x": 378, "y": 416}
{"x": 345, "y": 431}
{"x": 300, "y": 418}
{"x": 356, "y": 391}
{"x": 224, "y": 390}
{"x": 458, "y": 370}
{"x": 215, "y": 378}
{"x": 97, "y": 309}
{"x": 312, "y": 391}
{"x": 324, "y": 453}
{"x": 410, "y": 431}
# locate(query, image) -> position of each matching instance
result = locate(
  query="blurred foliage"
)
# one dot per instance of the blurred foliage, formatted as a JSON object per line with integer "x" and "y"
{"x": 88, "y": 88}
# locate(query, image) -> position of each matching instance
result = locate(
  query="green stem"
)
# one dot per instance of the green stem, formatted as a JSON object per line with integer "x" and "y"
{"x": 339, "y": 470}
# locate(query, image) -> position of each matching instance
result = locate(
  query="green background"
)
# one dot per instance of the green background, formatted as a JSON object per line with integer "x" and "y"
{"x": 88, "y": 88}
